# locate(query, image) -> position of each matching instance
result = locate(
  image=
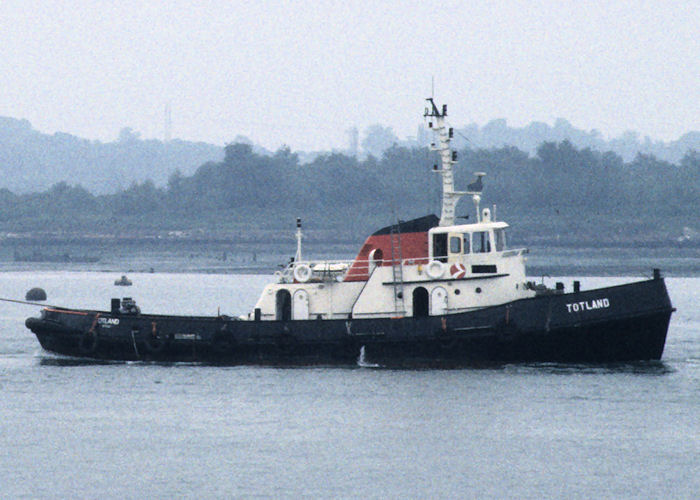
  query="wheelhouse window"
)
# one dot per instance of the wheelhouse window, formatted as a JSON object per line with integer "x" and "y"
{"x": 455, "y": 244}
{"x": 466, "y": 244}
{"x": 500, "y": 236}
{"x": 481, "y": 242}
{"x": 440, "y": 247}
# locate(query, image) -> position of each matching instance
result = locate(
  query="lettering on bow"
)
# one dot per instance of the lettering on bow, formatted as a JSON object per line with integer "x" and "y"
{"x": 588, "y": 305}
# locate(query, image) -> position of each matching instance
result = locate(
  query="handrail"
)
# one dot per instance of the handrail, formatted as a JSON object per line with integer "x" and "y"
{"x": 339, "y": 269}
{"x": 328, "y": 270}
{"x": 515, "y": 252}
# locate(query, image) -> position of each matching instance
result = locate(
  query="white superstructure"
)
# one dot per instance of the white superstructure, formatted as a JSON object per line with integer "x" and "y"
{"x": 417, "y": 268}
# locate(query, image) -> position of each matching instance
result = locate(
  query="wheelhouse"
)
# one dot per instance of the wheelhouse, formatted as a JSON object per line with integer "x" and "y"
{"x": 455, "y": 243}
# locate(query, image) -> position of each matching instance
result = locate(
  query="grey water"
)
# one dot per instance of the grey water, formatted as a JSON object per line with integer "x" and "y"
{"x": 78, "y": 429}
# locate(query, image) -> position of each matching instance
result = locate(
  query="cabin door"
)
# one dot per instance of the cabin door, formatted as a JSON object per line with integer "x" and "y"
{"x": 454, "y": 248}
{"x": 284, "y": 306}
{"x": 300, "y": 307}
{"x": 438, "y": 301}
{"x": 420, "y": 302}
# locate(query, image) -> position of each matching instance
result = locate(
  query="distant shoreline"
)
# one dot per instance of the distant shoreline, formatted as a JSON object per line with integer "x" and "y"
{"x": 224, "y": 256}
{"x": 317, "y": 238}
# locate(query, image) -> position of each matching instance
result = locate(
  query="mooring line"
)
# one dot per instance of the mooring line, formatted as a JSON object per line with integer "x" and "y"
{"x": 26, "y": 302}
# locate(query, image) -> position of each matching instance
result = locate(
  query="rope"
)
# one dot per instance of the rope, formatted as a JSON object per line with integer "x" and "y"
{"x": 470, "y": 143}
{"x": 94, "y": 323}
{"x": 48, "y": 306}
{"x": 28, "y": 303}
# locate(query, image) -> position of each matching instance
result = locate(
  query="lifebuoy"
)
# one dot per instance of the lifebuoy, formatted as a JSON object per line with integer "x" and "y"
{"x": 302, "y": 273}
{"x": 435, "y": 269}
{"x": 458, "y": 270}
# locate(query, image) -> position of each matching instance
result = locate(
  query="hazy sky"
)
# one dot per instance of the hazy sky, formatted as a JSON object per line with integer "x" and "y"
{"x": 301, "y": 73}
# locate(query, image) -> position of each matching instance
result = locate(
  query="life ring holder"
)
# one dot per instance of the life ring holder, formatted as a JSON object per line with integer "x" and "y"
{"x": 435, "y": 269}
{"x": 302, "y": 273}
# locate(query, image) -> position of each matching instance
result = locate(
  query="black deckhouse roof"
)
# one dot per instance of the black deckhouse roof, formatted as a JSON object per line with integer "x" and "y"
{"x": 420, "y": 225}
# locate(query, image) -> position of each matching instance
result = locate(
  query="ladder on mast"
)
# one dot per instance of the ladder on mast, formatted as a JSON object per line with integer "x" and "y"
{"x": 397, "y": 269}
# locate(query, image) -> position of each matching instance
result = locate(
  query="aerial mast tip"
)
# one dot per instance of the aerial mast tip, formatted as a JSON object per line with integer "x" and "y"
{"x": 297, "y": 257}
{"x": 448, "y": 158}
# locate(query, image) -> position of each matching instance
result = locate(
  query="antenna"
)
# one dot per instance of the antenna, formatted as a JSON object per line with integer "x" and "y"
{"x": 475, "y": 189}
{"x": 432, "y": 86}
{"x": 298, "y": 235}
{"x": 448, "y": 158}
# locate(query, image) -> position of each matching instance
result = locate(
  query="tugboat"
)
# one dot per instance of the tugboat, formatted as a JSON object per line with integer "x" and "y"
{"x": 422, "y": 292}
{"x": 123, "y": 281}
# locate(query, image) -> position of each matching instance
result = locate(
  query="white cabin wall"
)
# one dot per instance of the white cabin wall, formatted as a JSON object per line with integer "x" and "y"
{"x": 328, "y": 299}
{"x": 377, "y": 299}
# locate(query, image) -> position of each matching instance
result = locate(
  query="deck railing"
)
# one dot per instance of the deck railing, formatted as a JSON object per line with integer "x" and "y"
{"x": 337, "y": 270}
{"x": 358, "y": 270}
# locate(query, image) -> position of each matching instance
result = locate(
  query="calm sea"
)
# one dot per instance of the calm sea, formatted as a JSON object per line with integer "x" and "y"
{"x": 71, "y": 429}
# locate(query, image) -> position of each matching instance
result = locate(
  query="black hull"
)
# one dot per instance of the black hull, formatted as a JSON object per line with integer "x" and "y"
{"x": 614, "y": 324}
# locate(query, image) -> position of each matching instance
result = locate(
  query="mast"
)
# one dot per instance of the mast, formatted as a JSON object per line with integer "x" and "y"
{"x": 298, "y": 235}
{"x": 448, "y": 158}
{"x": 450, "y": 197}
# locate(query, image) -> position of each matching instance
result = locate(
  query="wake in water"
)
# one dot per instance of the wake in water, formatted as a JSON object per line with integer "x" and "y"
{"x": 362, "y": 360}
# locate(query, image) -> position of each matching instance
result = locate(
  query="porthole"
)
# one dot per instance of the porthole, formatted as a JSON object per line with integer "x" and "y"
{"x": 478, "y": 289}
{"x": 457, "y": 292}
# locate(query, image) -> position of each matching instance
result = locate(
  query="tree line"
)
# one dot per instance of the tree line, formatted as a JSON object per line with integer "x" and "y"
{"x": 269, "y": 190}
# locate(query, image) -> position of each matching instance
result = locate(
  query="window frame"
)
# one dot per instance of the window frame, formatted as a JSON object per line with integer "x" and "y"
{"x": 499, "y": 235}
{"x": 466, "y": 243}
{"x": 451, "y": 245}
{"x": 484, "y": 240}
